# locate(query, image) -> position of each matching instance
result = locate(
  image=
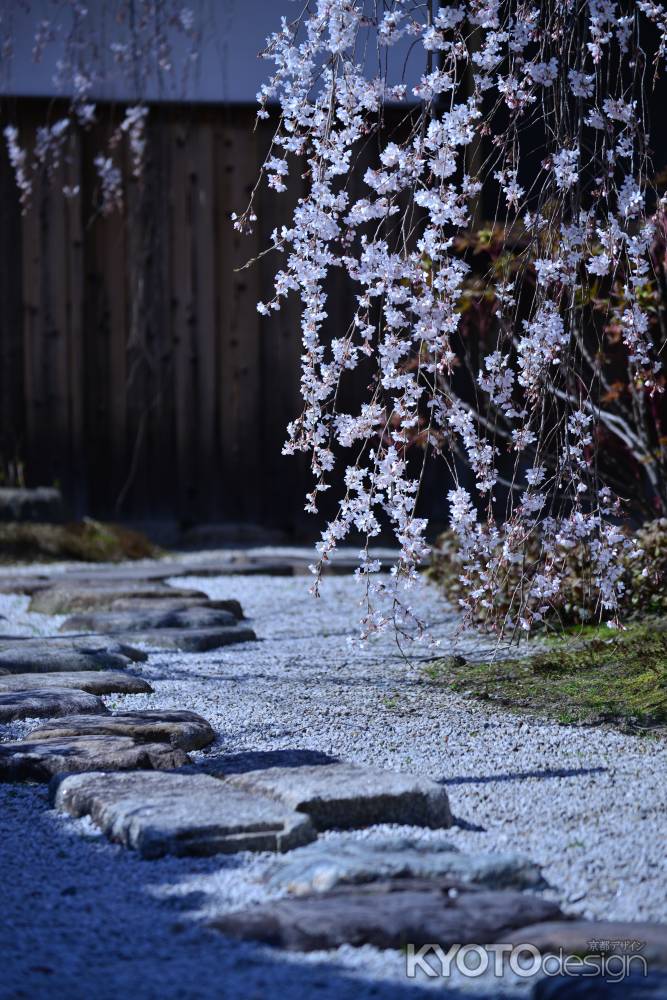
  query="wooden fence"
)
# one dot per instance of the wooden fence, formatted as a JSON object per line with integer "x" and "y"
{"x": 135, "y": 369}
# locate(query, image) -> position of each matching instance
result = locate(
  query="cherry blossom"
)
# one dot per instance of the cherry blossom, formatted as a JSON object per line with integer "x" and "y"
{"x": 531, "y": 397}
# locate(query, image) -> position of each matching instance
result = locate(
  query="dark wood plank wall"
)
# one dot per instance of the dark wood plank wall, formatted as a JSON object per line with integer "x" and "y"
{"x": 12, "y": 388}
{"x": 136, "y": 370}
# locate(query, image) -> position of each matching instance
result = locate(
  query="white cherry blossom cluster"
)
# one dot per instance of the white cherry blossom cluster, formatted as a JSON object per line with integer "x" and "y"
{"x": 522, "y": 412}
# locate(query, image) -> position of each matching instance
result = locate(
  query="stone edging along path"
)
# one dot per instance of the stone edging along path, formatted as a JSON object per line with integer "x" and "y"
{"x": 131, "y": 774}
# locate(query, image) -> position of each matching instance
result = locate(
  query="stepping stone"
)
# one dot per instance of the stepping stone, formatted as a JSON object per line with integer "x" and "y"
{"x": 254, "y": 760}
{"x": 591, "y": 937}
{"x": 387, "y": 914}
{"x": 28, "y": 584}
{"x": 323, "y": 865}
{"x": 186, "y": 730}
{"x": 45, "y": 702}
{"x": 182, "y": 814}
{"x": 192, "y": 640}
{"x": 165, "y": 605}
{"x": 66, "y": 599}
{"x": 347, "y": 796}
{"x": 94, "y": 681}
{"x": 240, "y": 568}
{"x": 53, "y": 655}
{"x": 129, "y": 621}
{"x": 28, "y": 761}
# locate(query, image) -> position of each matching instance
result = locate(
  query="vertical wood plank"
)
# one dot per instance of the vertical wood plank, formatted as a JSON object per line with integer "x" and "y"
{"x": 285, "y": 478}
{"x": 70, "y": 320}
{"x": 157, "y": 236}
{"x": 236, "y": 165}
{"x": 183, "y": 318}
{"x": 208, "y": 497}
{"x": 12, "y": 402}
{"x": 106, "y": 332}
{"x": 34, "y": 325}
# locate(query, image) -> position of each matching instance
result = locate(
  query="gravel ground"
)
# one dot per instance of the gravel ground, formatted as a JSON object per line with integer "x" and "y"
{"x": 87, "y": 918}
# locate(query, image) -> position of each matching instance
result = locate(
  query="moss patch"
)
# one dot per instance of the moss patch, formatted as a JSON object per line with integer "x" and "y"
{"x": 590, "y": 675}
{"x": 87, "y": 541}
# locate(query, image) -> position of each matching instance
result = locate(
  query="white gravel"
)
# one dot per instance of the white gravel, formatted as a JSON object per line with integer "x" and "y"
{"x": 87, "y": 918}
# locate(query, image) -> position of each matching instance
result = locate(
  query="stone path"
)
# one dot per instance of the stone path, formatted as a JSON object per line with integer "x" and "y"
{"x": 157, "y": 814}
{"x": 55, "y": 654}
{"x": 44, "y": 701}
{"x": 162, "y": 782}
{"x": 323, "y": 866}
{"x": 40, "y": 760}
{"x": 94, "y": 681}
{"x": 390, "y": 914}
{"x": 186, "y": 730}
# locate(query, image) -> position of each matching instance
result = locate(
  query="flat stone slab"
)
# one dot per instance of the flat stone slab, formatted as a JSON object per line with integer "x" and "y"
{"x": 346, "y": 796}
{"x": 254, "y": 760}
{"x": 322, "y": 866}
{"x": 64, "y": 598}
{"x": 135, "y": 621}
{"x": 181, "y": 814}
{"x": 12, "y": 583}
{"x": 388, "y": 914}
{"x": 164, "y": 605}
{"x": 46, "y": 702}
{"x": 186, "y": 730}
{"x": 94, "y": 681}
{"x": 54, "y": 655}
{"x": 592, "y": 937}
{"x": 191, "y": 640}
{"x": 34, "y": 761}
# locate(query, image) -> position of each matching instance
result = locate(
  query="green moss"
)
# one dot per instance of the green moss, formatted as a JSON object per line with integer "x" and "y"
{"x": 87, "y": 540}
{"x": 590, "y": 675}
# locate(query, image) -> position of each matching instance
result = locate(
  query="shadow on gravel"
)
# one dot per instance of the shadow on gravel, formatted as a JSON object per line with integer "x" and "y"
{"x": 259, "y": 760}
{"x": 559, "y": 772}
{"x": 464, "y": 824}
{"x": 108, "y": 930}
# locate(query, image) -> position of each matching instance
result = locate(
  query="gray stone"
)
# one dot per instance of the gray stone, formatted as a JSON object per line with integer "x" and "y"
{"x": 346, "y": 796}
{"x": 64, "y": 598}
{"x": 53, "y": 655}
{"x": 388, "y": 914}
{"x": 46, "y": 702}
{"x": 322, "y": 866}
{"x": 164, "y": 605}
{"x": 254, "y": 760}
{"x": 44, "y": 503}
{"x": 11, "y": 583}
{"x": 28, "y": 761}
{"x": 579, "y": 937}
{"x": 53, "y": 661}
{"x": 145, "y": 571}
{"x": 136, "y": 621}
{"x": 192, "y": 640}
{"x": 94, "y": 681}
{"x": 181, "y": 814}
{"x": 186, "y": 730}
{"x": 236, "y": 566}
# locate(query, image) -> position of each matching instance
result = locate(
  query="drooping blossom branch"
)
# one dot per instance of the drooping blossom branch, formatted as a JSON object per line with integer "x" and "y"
{"x": 139, "y": 54}
{"x": 520, "y": 418}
